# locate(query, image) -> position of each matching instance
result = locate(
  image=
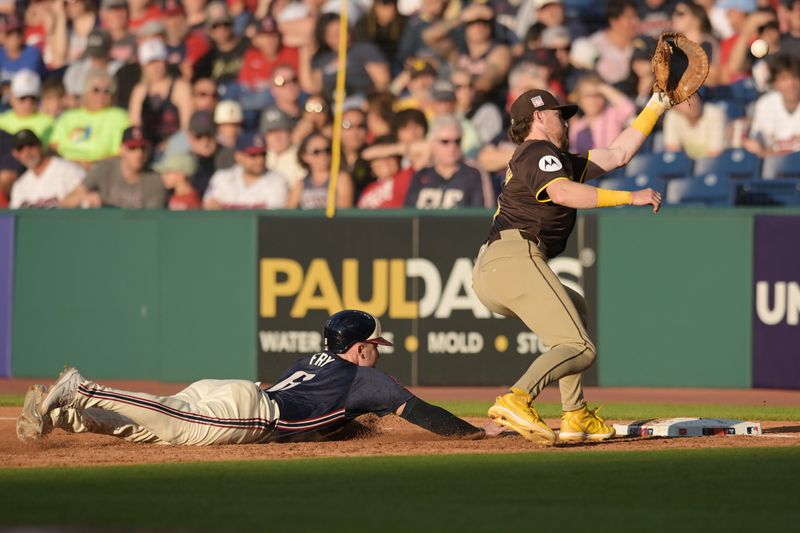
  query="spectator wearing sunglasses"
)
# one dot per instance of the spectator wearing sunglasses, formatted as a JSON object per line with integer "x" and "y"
{"x": 93, "y": 131}
{"x": 26, "y": 89}
{"x": 315, "y": 117}
{"x": 285, "y": 91}
{"x": 449, "y": 182}
{"x": 314, "y": 155}
{"x": 121, "y": 181}
{"x": 98, "y": 57}
{"x": 224, "y": 61}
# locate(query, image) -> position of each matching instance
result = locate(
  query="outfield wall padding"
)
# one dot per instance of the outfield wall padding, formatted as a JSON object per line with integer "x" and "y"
{"x": 141, "y": 295}
{"x": 175, "y": 296}
{"x": 675, "y": 298}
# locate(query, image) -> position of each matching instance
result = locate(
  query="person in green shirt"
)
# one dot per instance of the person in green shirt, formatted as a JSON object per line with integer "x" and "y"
{"x": 92, "y": 132}
{"x": 26, "y": 88}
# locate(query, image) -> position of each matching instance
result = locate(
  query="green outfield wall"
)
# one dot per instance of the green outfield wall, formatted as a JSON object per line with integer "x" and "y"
{"x": 182, "y": 296}
{"x": 675, "y": 298}
{"x": 147, "y": 295}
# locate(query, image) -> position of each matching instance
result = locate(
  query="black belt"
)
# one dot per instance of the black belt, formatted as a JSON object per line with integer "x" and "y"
{"x": 525, "y": 235}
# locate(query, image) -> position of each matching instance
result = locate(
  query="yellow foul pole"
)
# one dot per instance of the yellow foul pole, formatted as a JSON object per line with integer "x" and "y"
{"x": 336, "y": 142}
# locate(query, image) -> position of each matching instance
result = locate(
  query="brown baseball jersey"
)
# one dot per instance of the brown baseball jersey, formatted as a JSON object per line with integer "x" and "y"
{"x": 523, "y": 203}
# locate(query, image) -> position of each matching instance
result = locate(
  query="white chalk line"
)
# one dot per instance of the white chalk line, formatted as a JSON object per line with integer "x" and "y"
{"x": 781, "y": 435}
{"x": 8, "y": 418}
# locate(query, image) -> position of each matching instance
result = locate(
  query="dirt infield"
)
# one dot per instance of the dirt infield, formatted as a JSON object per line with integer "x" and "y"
{"x": 388, "y": 436}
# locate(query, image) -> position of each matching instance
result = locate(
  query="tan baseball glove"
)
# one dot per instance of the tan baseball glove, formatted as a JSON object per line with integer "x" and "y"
{"x": 680, "y": 67}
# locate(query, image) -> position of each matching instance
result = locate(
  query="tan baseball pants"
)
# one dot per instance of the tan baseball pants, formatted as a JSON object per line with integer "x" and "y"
{"x": 210, "y": 411}
{"x": 512, "y": 278}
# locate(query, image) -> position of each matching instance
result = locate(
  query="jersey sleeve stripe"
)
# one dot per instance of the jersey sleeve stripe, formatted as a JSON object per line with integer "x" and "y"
{"x": 545, "y": 186}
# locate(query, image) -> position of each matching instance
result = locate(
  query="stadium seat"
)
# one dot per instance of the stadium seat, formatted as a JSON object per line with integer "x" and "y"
{"x": 769, "y": 193}
{"x": 635, "y": 183}
{"x": 708, "y": 189}
{"x": 666, "y": 165}
{"x": 781, "y": 166}
{"x": 734, "y": 163}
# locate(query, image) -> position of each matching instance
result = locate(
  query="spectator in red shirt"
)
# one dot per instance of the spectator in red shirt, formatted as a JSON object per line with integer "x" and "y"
{"x": 264, "y": 55}
{"x": 176, "y": 172}
{"x": 391, "y": 185}
{"x": 142, "y": 12}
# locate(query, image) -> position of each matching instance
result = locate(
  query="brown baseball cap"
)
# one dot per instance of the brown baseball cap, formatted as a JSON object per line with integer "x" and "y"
{"x": 538, "y": 100}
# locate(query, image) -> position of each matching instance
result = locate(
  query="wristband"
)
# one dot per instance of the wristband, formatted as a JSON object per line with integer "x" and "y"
{"x": 609, "y": 198}
{"x": 647, "y": 119}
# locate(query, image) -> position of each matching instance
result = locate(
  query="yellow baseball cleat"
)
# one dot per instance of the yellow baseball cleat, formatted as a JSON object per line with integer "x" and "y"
{"x": 514, "y": 411}
{"x": 584, "y": 424}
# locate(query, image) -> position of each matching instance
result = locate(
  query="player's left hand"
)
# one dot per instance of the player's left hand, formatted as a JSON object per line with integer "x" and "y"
{"x": 496, "y": 430}
{"x": 647, "y": 197}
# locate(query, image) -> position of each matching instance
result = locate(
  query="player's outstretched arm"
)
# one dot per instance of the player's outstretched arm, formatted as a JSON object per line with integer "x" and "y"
{"x": 629, "y": 141}
{"x": 437, "y": 420}
{"x": 582, "y": 196}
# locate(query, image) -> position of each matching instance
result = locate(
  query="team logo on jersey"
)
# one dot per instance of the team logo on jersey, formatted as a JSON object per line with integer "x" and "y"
{"x": 549, "y": 163}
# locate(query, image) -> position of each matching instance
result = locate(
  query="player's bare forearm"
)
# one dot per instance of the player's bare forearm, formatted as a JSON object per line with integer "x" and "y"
{"x": 573, "y": 194}
{"x": 616, "y": 155}
{"x": 582, "y": 196}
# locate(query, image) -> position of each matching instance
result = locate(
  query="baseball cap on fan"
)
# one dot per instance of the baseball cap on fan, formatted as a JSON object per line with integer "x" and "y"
{"x": 98, "y": 44}
{"x": 538, "y": 100}
{"x": 251, "y": 144}
{"x": 152, "y": 50}
{"x": 133, "y": 137}
{"x": 26, "y": 83}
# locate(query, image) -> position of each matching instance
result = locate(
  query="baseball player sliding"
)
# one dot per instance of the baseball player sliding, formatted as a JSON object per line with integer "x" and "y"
{"x": 536, "y": 212}
{"x": 315, "y": 398}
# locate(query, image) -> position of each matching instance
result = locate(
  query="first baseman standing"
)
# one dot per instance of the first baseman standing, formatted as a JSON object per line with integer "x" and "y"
{"x": 536, "y": 212}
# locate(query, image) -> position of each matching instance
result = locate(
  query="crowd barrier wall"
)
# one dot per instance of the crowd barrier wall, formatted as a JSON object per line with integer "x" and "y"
{"x": 139, "y": 295}
{"x": 674, "y": 298}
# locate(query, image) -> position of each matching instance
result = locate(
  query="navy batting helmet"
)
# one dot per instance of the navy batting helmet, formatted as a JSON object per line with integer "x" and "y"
{"x": 345, "y": 328}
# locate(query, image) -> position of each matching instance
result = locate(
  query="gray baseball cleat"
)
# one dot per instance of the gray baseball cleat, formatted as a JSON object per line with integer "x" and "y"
{"x": 63, "y": 392}
{"x": 30, "y": 425}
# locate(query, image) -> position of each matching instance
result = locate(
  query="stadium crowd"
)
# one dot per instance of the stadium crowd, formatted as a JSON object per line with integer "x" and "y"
{"x": 228, "y": 105}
